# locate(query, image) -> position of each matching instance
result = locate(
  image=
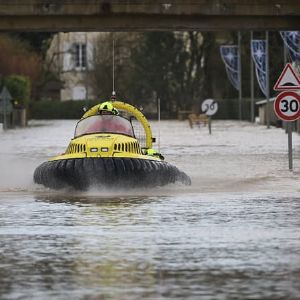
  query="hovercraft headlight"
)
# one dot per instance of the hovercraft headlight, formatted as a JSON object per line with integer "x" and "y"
{"x": 104, "y": 149}
{"x": 93, "y": 149}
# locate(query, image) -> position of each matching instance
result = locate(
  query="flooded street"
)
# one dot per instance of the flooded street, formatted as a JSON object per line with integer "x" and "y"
{"x": 233, "y": 234}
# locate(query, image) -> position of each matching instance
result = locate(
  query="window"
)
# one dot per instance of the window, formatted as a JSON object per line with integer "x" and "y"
{"x": 80, "y": 56}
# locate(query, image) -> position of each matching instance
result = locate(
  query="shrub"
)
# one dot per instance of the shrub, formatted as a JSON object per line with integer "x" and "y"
{"x": 59, "y": 110}
{"x": 16, "y": 57}
{"x": 19, "y": 88}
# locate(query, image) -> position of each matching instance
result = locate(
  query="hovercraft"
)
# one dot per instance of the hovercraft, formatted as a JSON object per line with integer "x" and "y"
{"x": 107, "y": 152}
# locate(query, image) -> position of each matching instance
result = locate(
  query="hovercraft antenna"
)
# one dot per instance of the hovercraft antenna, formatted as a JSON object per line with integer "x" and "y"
{"x": 113, "y": 94}
{"x": 158, "y": 117}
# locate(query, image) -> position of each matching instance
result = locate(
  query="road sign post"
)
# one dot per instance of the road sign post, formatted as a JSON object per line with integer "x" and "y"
{"x": 290, "y": 145}
{"x": 287, "y": 103}
{"x": 209, "y": 125}
{"x": 287, "y": 108}
{"x": 209, "y": 107}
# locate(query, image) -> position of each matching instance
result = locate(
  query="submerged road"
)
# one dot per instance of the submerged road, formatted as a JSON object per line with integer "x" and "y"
{"x": 234, "y": 234}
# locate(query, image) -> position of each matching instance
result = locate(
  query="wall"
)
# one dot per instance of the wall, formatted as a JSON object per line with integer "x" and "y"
{"x": 60, "y": 56}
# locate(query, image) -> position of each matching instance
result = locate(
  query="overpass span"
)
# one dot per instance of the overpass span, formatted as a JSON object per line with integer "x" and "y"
{"x": 148, "y": 15}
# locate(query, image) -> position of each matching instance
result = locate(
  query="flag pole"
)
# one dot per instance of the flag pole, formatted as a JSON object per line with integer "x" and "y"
{"x": 267, "y": 81}
{"x": 285, "y": 60}
{"x": 285, "y": 53}
{"x": 252, "y": 79}
{"x": 240, "y": 76}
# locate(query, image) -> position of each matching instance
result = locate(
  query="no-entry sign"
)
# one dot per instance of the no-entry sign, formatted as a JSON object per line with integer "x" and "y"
{"x": 287, "y": 106}
{"x": 209, "y": 107}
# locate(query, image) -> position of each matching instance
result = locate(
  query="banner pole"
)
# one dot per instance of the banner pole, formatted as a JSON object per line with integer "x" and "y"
{"x": 252, "y": 79}
{"x": 240, "y": 76}
{"x": 267, "y": 81}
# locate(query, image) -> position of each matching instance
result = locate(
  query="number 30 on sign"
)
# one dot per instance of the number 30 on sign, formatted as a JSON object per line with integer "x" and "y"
{"x": 287, "y": 106}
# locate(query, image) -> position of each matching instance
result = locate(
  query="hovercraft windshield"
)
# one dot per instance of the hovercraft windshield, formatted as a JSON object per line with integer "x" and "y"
{"x": 104, "y": 124}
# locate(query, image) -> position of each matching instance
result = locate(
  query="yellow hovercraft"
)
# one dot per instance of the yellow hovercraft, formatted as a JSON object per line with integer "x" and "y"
{"x": 105, "y": 152}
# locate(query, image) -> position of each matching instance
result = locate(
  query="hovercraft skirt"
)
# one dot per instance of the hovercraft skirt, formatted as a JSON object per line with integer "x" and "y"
{"x": 81, "y": 173}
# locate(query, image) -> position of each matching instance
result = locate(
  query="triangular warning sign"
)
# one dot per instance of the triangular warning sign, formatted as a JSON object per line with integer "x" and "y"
{"x": 288, "y": 80}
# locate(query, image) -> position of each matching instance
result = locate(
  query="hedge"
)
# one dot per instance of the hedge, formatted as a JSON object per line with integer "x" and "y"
{"x": 48, "y": 109}
{"x": 228, "y": 109}
{"x": 60, "y": 110}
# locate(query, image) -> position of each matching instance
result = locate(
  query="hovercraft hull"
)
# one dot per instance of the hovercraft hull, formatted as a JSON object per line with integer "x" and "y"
{"x": 82, "y": 173}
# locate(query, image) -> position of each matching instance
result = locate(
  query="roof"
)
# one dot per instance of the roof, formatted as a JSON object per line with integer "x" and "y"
{"x": 265, "y": 101}
{"x": 272, "y": 99}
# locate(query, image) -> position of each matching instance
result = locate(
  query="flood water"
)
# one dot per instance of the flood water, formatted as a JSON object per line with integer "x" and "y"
{"x": 233, "y": 234}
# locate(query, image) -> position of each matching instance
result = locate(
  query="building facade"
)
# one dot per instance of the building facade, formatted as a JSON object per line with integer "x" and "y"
{"x": 71, "y": 56}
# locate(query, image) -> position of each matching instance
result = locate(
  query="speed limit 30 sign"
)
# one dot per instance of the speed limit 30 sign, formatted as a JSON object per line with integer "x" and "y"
{"x": 287, "y": 106}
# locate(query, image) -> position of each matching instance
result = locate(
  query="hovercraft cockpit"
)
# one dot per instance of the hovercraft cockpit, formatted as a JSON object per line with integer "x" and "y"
{"x": 104, "y": 124}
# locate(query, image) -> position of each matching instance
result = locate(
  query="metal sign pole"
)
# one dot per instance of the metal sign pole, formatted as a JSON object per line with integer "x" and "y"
{"x": 209, "y": 125}
{"x": 209, "y": 107}
{"x": 290, "y": 145}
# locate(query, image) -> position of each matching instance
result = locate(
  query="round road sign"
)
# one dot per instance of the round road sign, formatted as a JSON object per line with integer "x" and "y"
{"x": 209, "y": 107}
{"x": 287, "y": 106}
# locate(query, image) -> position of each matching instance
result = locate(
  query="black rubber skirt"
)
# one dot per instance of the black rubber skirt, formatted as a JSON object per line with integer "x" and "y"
{"x": 82, "y": 173}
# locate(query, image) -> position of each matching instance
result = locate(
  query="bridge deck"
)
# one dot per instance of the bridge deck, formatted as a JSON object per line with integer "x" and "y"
{"x": 135, "y": 15}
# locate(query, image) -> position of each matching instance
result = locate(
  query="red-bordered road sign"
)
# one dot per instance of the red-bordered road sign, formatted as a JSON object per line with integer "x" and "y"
{"x": 287, "y": 106}
{"x": 288, "y": 79}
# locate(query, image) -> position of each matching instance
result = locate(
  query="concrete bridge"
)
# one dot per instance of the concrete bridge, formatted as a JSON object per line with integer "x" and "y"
{"x": 144, "y": 15}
